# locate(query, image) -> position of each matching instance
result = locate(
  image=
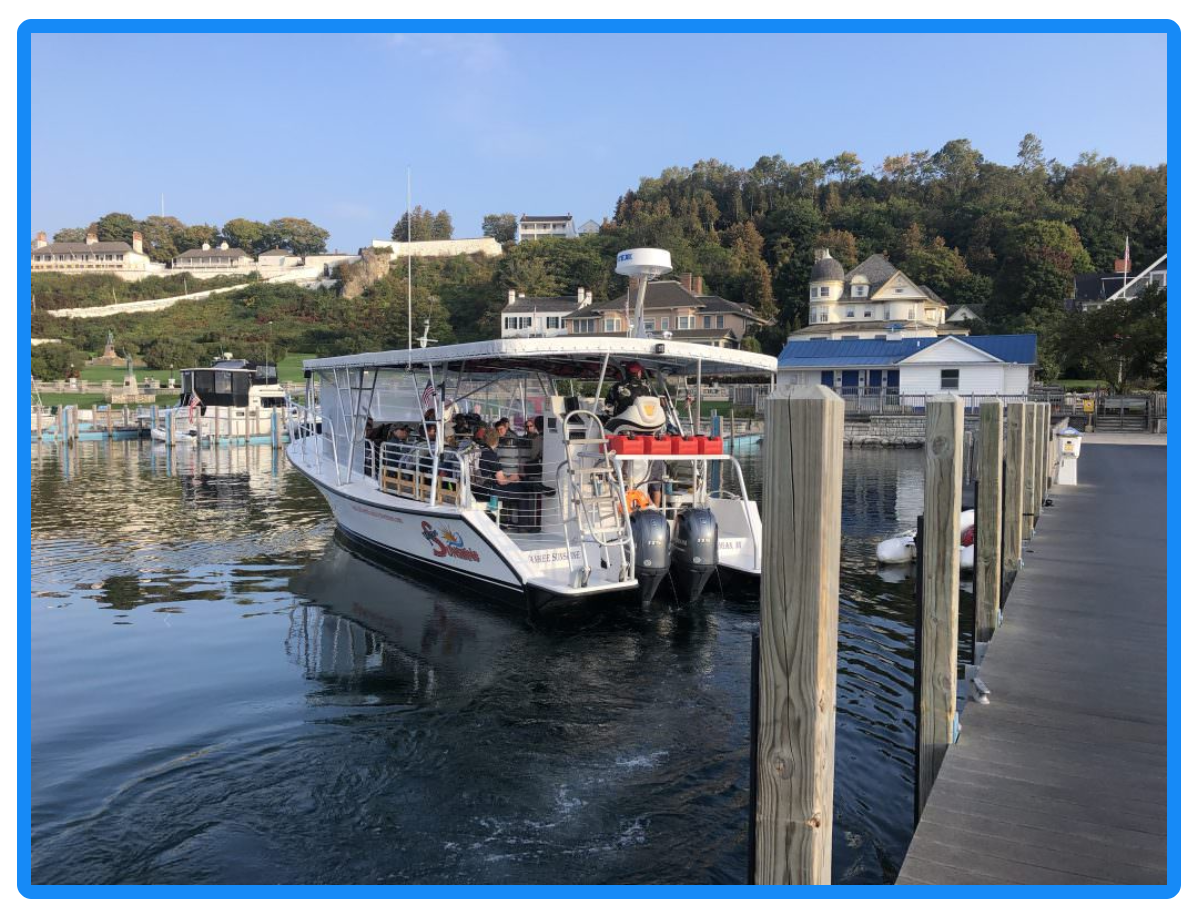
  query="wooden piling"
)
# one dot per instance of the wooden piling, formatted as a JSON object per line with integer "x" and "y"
{"x": 989, "y": 444}
{"x": 939, "y": 585}
{"x": 1014, "y": 486}
{"x": 108, "y": 419}
{"x": 1039, "y": 457}
{"x": 170, "y": 429}
{"x": 1029, "y": 476}
{"x": 799, "y": 620}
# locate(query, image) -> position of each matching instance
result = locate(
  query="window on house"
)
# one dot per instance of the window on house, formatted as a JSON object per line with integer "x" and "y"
{"x": 665, "y": 324}
{"x": 881, "y": 336}
{"x": 824, "y": 291}
{"x": 648, "y": 323}
{"x": 707, "y": 322}
{"x": 685, "y": 322}
{"x": 554, "y": 322}
{"x": 859, "y": 292}
{"x": 611, "y": 325}
{"x": 849, "y": 337}
{"x": 849, "y": 312}
{"x": 867, "y": 312}
{"x": 720, "y": 320}
{"x": 585, "y": 326}
{"x": 912, "y": 313}
{"x": 899, "y": 290}
{"x": 949, "y": 379}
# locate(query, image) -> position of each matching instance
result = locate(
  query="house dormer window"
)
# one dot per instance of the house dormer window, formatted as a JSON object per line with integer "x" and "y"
{"x": 858, "y": 291}
{"x": 899, "y": 290}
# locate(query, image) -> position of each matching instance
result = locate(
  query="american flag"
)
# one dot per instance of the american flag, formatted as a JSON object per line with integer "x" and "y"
{"x": 192, "y": 405}
{"x": 429, "y": 396}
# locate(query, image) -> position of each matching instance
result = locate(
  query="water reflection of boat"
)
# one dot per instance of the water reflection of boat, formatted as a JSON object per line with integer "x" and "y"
{"x": 902, "y": 549}
{"x": 360, "y": 618}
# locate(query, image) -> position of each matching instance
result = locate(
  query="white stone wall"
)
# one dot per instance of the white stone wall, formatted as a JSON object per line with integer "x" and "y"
{"x": 488, "y": 247}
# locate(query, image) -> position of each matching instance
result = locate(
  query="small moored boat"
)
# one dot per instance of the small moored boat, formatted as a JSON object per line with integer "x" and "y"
{"x": 902, "y": 548}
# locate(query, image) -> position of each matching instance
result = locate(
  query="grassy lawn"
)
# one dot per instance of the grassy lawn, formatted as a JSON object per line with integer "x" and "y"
{"x": 290, "y": 369}
{"x": 1073, "y": 384}
{"x": 87, "y": 401}
{"x": 116, "y": 375}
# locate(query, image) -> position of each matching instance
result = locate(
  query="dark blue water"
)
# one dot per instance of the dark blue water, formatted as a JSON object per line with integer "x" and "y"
{"x": 223, "y": 693}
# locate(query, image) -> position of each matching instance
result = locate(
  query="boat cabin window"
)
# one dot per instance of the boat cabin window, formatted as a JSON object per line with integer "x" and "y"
{"x": 217, "y": 387}
{"x": 270, "y": 402}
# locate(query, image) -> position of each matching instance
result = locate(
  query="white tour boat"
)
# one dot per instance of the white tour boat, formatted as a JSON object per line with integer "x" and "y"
{"x": 597, "y": 515}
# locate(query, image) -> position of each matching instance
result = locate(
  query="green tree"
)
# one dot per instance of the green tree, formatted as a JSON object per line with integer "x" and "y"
{"x": 500, "y": 226}
{"x": 159, "y": 234}
{"x": 442, "y": 227}
{"x": 65, "y": 235}
{"x": 116, "y": 227}
{"x": 1041, "y": 259}
{"x": 189, "y": 237}
{"x": 1123, "y": 341}
{"x": 248, "y": 234}
{"x": 53, "y": 361}
{"x": 422, "y": 225}
{"x": 297, "y": 235}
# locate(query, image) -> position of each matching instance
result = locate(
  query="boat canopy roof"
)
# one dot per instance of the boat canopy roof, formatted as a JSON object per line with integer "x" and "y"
{"x": 563, "y": 356}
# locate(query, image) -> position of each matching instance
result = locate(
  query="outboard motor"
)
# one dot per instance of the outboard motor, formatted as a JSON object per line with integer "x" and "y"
{"x": 651, "y": 551}
{"x": 644, "y": 416}
{"x": 694, "y": 551}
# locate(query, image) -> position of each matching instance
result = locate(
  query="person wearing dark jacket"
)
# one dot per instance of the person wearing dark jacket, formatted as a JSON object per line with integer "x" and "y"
{"x": 506, "y": 486}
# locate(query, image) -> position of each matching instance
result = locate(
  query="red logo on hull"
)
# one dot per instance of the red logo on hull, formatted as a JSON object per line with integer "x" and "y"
{"x": 447, "y": 543}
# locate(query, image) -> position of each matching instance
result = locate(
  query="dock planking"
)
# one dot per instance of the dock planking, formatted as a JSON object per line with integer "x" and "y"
{"x": 1063, "y": 778}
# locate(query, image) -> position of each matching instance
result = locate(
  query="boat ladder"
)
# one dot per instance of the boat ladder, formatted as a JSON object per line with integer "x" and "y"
{"x": 593, "y": 498}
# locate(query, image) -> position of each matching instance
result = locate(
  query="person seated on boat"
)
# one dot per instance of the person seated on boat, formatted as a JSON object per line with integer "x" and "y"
{"x": 502, "y": 428}
{"x": 622, "y": 395}
{"x": 506, "y": 486}
{"x": 374, "y": 434}
{"x": 399, "y": 450}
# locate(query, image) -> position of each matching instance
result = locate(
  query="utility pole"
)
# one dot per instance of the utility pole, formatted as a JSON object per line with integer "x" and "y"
{"x": 408, "y": 222}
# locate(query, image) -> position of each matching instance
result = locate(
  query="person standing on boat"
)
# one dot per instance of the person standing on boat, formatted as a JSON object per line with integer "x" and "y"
{"x": 622, "y": 395}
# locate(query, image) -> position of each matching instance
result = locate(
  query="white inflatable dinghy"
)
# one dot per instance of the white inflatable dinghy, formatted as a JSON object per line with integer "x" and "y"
{"x": 902, "y": 548}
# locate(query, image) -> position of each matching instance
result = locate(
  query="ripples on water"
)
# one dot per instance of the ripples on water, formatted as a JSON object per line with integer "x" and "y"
{"x": 223, "y": 693}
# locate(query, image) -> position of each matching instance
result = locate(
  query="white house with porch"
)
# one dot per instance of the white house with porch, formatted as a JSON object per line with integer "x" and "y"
{"x": 1000, "y": 365}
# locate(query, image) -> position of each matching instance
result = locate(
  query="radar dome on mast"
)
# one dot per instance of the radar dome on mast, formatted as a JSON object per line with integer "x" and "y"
{"x": 645, "y": 264}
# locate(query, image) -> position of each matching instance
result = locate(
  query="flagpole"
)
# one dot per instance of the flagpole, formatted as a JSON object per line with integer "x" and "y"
{"x": 408, "y": 221}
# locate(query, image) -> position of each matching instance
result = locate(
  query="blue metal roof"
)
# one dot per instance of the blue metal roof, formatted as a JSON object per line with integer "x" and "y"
{"x": 1015, "y": 348}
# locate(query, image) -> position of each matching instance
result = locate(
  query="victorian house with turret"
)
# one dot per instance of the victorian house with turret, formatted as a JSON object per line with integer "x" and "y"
{"x": 873, "y": 301}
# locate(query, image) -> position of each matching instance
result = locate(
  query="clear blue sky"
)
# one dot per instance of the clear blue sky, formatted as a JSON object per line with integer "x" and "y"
{"x": 322, "y": 126}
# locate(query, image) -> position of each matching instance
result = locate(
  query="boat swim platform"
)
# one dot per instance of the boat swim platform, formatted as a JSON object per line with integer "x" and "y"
{"x": 1063, "y": 778}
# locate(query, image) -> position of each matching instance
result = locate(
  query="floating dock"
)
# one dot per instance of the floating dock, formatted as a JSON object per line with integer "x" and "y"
{"x": 1063, "y": 777}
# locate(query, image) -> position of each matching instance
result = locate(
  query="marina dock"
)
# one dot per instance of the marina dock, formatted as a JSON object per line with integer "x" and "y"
{"x": 1063, "y": 777}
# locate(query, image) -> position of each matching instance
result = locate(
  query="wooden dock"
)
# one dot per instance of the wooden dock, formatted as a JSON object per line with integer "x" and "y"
{"x": 1063, "y": 777}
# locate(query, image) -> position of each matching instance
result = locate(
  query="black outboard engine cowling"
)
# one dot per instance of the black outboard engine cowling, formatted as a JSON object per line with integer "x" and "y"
{"x": 651, "y": 551}
{"x": 693, "y": 551}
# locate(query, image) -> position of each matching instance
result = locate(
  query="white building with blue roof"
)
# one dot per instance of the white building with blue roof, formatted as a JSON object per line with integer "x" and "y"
{"x": 999, "y": 365}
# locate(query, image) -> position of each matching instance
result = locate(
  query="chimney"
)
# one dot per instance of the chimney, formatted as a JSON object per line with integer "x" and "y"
{"x": 821, "y": 254}
{"x": 205, "y": 246}
{"x": 224, "y": 245}
{"x": 697, "y": 285}
{"x": 685, "y": 280}
{"x": 92, "y": 237}
{"x": 41, "y": 240}
{"x": 512, "y": 296}
{"x": 137, "y": 242}
{"x": 580, "y": 295}
{"x": 587, "y": 297}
